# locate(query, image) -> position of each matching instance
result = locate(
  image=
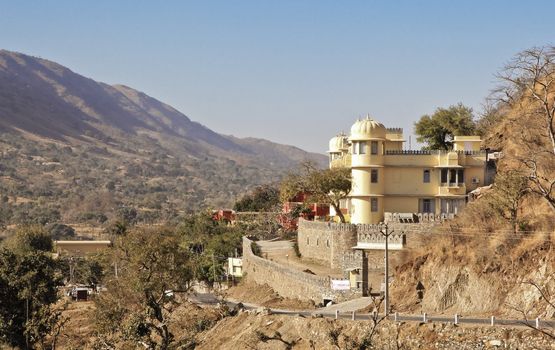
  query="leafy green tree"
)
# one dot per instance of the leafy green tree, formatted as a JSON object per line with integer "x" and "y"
{"x": 138, "y": 305}
{"x": 323, "y": 186}
{"x": 29, "y": 278}
{"x": 210, "y": 243}
{"x": 438, "y": 130}
{"x": 262, "y": 198}
{"x": 29, "y": 239}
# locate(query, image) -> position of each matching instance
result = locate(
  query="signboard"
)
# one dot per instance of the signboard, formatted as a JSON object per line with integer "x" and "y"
{"x": 340, "y": 284}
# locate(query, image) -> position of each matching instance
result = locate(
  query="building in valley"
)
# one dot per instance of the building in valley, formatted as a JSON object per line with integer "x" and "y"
{"x": 388, "y": 179}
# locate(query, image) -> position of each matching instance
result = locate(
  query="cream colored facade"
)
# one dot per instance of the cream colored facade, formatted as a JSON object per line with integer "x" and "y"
{"x": 387, "y": 178}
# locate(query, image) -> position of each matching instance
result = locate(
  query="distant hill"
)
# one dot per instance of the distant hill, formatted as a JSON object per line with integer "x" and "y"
{"x": 51, "y": 115}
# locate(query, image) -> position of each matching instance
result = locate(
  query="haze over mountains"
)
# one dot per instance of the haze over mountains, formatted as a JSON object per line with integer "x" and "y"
{"x": 44, "y": 98}
{"x": 65, "y": 137}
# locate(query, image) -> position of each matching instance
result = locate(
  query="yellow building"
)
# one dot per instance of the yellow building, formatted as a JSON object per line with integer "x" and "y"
{"x": 387, "y": 178}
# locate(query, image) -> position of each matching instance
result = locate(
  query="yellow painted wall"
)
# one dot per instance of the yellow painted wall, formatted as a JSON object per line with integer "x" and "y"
{"x": 401, "y": 204}
{"x": 410, "y": 180}
{"x": 401, "y": 183}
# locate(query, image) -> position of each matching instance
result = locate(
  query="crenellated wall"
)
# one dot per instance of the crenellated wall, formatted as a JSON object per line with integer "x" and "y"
{"x": 331, "y": 243}
{"x": 326, "y": 242}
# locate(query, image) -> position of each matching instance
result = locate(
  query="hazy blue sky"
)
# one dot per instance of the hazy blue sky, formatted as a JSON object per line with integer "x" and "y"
{"x": 295, "y": 72}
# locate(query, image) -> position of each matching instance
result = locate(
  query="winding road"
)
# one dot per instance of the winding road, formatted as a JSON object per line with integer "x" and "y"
{"x": 346, "y": 311}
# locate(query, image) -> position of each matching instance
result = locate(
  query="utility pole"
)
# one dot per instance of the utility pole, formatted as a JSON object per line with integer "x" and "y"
{"x": 386, "y": 234}
{"x": 214, "y": 268}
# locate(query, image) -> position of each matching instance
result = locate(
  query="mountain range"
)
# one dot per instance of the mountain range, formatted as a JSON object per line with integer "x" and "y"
{"x": 53, "y": 122}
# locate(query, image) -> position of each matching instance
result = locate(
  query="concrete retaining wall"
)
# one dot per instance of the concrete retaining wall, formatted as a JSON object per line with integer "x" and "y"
{"x": 288, "y": 282}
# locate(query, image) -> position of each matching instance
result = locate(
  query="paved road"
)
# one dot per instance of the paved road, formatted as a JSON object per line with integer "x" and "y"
{"x": 343, "y": 313}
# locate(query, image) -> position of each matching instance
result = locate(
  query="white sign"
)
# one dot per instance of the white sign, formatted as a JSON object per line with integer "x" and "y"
{"x": 340, "y": 284}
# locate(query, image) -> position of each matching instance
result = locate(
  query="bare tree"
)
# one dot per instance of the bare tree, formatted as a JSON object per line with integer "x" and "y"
{"x": 367, "y": 341}
{"x": 545, "y": 295}
{"x": 528, "y": 86}
{"x": 510, "y": 188}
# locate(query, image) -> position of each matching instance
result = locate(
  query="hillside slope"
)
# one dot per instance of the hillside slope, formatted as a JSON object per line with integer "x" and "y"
{"x": 498, "y": 257}
{"x": 44, "y": 98}
{"x": 81, "y": 147}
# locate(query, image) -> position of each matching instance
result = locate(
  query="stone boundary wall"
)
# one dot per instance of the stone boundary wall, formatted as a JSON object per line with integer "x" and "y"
{"x": 329, "y": 243}
{"x": 325, "y": 242}
{"x": 289, "y": 282}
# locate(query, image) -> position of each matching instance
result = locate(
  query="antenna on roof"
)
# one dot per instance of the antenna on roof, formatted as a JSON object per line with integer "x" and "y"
{"x": 410, "y": 142}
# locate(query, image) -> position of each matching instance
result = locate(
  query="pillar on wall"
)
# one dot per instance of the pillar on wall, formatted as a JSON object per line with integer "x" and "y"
{"x": 364, "y": 271}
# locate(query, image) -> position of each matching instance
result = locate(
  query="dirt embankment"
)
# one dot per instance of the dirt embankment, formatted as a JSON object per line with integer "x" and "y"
{"x": 264, "y": 295}
{"x": 79, "y": 331}
{"x": 251, "y": 331}
{"x": 481, "y": 276}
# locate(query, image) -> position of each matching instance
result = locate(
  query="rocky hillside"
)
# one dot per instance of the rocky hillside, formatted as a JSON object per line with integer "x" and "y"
{"x": 498, "y": 256}
{"x": 74, "y": 149}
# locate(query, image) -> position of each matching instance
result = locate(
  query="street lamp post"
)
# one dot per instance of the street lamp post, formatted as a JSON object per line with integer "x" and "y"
{"x": 386, "y": 233}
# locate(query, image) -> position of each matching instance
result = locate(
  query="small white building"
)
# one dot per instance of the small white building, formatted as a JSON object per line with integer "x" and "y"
{"x": 235, "y": 267}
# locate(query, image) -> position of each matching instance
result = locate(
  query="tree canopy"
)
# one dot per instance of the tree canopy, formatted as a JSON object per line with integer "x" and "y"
{"x": 29, "y": 278}
{"x": 137, "y": 307}
{"x": 324, "y": 186}
{"x": 438, "y": 130}
{"x": 262, "y": 198}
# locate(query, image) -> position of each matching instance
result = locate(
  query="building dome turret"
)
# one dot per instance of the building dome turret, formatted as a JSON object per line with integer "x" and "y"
{"x": 338, "y": 144}
{"x": 367, "y": 129}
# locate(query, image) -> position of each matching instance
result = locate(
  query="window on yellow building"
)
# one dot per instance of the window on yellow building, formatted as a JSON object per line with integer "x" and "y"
{"x": 427, "y": 205}
{"x": 374, "y": 176}
{"x": 452, "y": 175}
{"x": 374, "y": 204}
{"x": 374, "y": 147}
{"x": 359, "y": 147}
{"x": 426, "y": 176}
{"x": 461, "y": 175}
{"x": 444, "y": 173}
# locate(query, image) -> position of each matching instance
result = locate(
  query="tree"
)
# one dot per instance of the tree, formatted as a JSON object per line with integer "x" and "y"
{"x": 438, "y": 130}
{"x": 528, "y": 87}
{"x": 138, "y": 305}
{"x": 209, "y": 243}
{"x": 61, "y": 231}
{"x": 262, "y": 198}
{"x": 510, "y": 188}
{"x": 324, "y": 186}
{"x": 29, "y": 278}
{"x": 29, "y": 239}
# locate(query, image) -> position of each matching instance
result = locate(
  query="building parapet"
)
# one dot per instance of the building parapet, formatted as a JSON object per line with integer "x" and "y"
{"x": 432, "y": 152}
{"x": 395, "y": 130}
{"x": 326, "y": 225}
{"x": 415, "y": 218}
{"x": 369, "y": 228}
{"x": 376, "y": 240}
